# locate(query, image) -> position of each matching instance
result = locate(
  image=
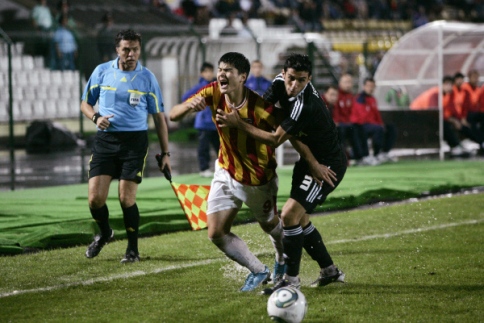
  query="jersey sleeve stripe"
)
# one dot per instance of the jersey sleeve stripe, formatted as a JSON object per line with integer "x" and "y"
{"x": 156, "y": 101}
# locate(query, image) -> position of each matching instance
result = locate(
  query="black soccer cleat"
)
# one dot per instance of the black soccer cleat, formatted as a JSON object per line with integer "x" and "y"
{"x": 282, "y": 283}
{"x": 325, "y": 278}
{"x": 130, "y": 256}
{"x": 99, "y": 242}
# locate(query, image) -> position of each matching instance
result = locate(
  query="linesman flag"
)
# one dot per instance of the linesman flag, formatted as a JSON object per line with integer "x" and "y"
{"x": 192, "y": 198}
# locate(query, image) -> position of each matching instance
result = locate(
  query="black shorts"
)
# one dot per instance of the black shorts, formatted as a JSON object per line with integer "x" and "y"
{"x": 306, "y": 190}
{"x": 120, "y": 155}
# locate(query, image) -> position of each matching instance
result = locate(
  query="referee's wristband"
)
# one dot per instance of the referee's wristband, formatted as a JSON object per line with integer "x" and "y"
{"x": 95, "y": 117}
{"x": 165, "y": 153}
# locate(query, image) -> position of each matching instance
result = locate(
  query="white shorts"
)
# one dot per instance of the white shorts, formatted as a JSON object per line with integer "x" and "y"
{"x": 226, "y": 193}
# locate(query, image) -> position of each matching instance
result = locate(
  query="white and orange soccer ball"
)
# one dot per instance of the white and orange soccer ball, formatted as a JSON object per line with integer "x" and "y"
{"x": 287, "y": 305}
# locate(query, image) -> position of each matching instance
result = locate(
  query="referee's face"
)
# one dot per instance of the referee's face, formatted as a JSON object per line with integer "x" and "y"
{"x": 128, "y": 53}
{"x": 295, "y": 81}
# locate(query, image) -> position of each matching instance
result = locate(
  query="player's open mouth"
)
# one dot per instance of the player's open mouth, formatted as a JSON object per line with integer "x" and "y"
{"x": 223, "y": 84}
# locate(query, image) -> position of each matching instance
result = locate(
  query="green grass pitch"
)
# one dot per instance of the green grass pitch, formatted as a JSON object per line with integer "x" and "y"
{"x": 414, "y": 262}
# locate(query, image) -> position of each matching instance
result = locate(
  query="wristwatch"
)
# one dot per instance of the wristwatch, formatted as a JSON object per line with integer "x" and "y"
{"x": 165, "y": 153}
{"x": 95, "y": 117}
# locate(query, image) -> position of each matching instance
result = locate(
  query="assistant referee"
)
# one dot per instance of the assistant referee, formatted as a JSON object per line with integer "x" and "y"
{"x": 126, "y": 92}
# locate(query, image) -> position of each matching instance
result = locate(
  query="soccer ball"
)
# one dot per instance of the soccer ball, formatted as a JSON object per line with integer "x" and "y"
{"x": 287, "y": 305}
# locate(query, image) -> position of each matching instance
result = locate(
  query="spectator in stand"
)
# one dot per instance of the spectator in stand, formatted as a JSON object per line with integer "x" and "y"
{"x": 104, "y": 39}
{"x": 341, "y": 116}
{"x": 419, "y": 17}
{"x": 475, "y": 112}
{"x": 256, "y": 81}
{"x": 455, "y": 122}
{"x": 43, "y": 22}
{"x": 229, "y": 30}
{"x": 366, "y": 116}
{"x": 226, "y": 8}
{"x": 462, "y": 97}
{"x": 207, "y": 132}
{"x": 310, "y": 11}
{"x": 330, "y": 97}
{"x": 41, "y": 16}
{"x": 65, "y": 46}
{"x": 63, "y": 9}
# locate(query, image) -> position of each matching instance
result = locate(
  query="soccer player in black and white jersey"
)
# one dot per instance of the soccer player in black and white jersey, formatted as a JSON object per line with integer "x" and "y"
{"x": 308, "y": 124}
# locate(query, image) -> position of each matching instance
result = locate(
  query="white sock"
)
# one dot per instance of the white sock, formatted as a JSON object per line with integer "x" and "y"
{"x": 237, "y": 250}
{"x": 276, "y": 236}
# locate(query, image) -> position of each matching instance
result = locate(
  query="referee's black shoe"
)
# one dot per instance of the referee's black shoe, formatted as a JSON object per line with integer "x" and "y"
{"x": 99, "y": 242}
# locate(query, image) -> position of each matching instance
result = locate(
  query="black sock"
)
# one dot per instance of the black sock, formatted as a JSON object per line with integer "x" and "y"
{"x": 131, "y": 223}
{"x": 314, "y": 246}
{"x": 293, "y": 244}
{"x": 101, "y": 216}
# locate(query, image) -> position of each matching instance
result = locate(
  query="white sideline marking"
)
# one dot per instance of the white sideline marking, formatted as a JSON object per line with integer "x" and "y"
{"x": 209, "y": 261}
{"x": 390, "y": 235}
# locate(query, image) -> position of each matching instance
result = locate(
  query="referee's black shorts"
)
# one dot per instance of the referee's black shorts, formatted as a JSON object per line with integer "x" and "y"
{"x": 121, "y": 155}
{"x": 306, "y": 190}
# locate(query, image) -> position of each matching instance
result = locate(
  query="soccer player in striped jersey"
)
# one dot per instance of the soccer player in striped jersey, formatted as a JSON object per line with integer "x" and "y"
{"x": 316, "y": 174}
{"x": 245, "y": 171}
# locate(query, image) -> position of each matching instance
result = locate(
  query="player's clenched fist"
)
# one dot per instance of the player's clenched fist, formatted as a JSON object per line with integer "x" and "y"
{"x": 197, "y": 103}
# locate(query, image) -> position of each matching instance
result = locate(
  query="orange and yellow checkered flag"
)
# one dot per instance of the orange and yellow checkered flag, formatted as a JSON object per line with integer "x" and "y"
{"x": 193, "y": 200}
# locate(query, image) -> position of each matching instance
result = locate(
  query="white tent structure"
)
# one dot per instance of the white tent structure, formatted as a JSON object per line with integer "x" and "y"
{"x": 422, "y": 57}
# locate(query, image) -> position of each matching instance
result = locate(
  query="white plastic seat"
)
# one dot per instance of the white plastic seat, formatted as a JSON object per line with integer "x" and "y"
{"x": 17, "y": 93}
{"x": 56, "y": 77}
{"x": 27, "y": 62}
{"x": 45, "y": 76}
{"x": 3, "y": 111}
{"x": 30, "y": 93}
{"x": 20, "y": 78}
{"x": 63, "y": 108}
{"x": 38, "y": 110}
{"x": 50, "y": 109}
{"x": 25, "y": 110}
{"x": 33, "y": 77}
{"x": 39, "y": 62}
{"x": 43, "y": 93}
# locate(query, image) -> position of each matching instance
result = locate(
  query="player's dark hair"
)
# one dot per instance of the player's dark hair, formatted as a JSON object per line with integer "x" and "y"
{"x": 206, "y": 65}
{"x": 127, "y": 34}
{"x": 458, "y": 75}
{"x": 368, "y": 79}
{"x": 237, "y": 60}
{"x": 448, "y": 78}
{"x": 299, "y": 63}
{"x": 331, "y": 86}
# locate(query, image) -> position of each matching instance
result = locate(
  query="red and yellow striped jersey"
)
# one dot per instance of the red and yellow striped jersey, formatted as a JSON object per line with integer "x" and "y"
{"x": 248, "y": 161}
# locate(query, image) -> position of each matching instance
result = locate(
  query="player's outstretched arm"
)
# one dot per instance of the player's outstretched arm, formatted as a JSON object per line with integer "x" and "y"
{"x": 162, "y": 132}
{"x": 233, "y": 120}
{"x": 320, "y": 172}
{"x": 179, "y": 111}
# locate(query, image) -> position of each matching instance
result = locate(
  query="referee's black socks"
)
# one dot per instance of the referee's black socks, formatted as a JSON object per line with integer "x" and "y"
{"x": 131, "y": 223}
{"x": 314, "y": 246}
{"x": 101, "y": 216}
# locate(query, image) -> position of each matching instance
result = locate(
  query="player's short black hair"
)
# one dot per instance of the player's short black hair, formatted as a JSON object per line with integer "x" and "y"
{"x": 448, "y": 78}
{"x": 331, "y": 86}
{"x": 127, "y": 34}
{"x": 368, "y": 79}
{"x": 206, "y": 65}
{"x": 299, "y": 63}
{"x": 458, "y": 75}
{"x": 237, "y": 60}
